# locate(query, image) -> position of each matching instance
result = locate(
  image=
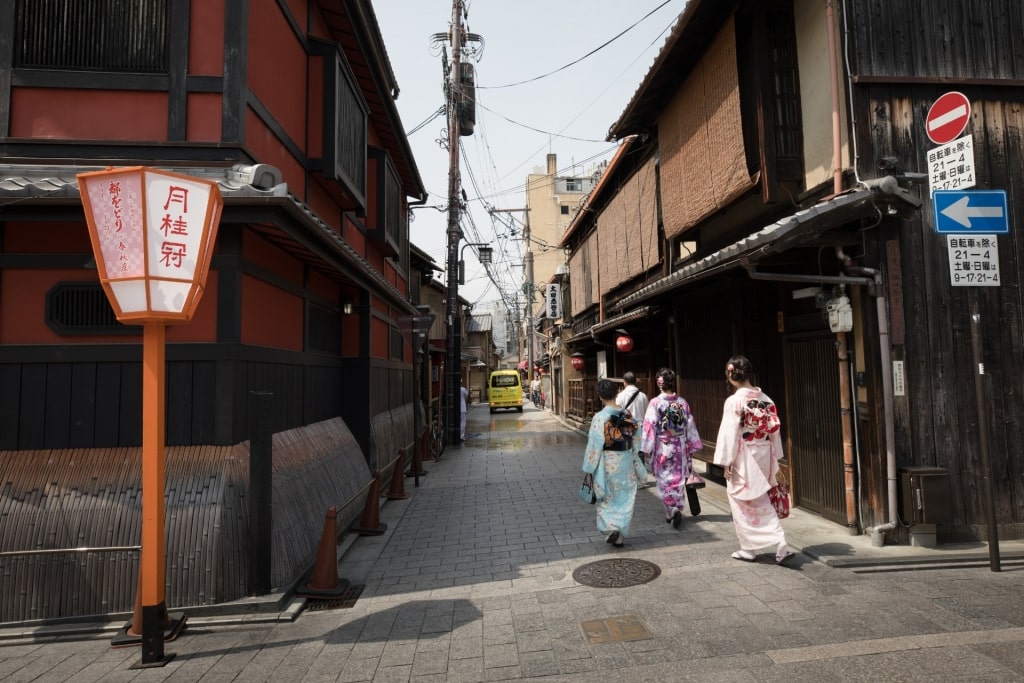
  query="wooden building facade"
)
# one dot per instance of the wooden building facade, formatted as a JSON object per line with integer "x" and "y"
{"x": 776, "y": 163}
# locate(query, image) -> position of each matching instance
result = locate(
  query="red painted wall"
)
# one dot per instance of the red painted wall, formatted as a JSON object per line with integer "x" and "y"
{"x": 23, "y": 311}
{"x": 265, "y": 255}
{"x": 321, "y": 286}
{"x": 206, "y": 38}
{"x": 267, "y": 149}
{"x": 204, "y": 117}
{"x": 270, "y": 316}
{"x": 276, "y": 69}
{"x": 88, "y": 114}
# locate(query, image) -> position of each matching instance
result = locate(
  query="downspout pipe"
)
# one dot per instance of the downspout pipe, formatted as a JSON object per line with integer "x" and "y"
{"x": 833, "y": 77}
{"x": 878, "y": 532}
{"x": 885, "y": 357}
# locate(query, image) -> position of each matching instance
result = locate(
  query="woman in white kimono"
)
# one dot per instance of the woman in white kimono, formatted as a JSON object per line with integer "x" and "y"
{"x": 615, "y": 471}
{"x": 749, "y": 447}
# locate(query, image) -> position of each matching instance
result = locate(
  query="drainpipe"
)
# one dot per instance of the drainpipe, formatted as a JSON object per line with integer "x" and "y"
{"x": 845, "y": 410}
{"x": 878, "y": 532}
{"x": 833, "y": 77}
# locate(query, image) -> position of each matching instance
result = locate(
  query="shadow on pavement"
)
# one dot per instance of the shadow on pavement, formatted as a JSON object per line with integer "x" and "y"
{"x": 418, "y": 619}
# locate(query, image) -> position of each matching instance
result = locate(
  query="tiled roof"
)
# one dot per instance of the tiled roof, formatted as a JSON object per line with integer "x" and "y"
{"x": 782, "y": 235}
{"x": 238, "y": 184}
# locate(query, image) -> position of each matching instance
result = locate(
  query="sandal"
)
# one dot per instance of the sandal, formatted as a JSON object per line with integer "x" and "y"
{"x": 743, "y": 555}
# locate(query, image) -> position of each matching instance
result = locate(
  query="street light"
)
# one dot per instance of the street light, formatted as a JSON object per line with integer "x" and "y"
{"x": 483, "y": 254}
{"x": 152, "y": 235}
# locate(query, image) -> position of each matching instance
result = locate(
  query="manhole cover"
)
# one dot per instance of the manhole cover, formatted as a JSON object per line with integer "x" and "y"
{"x": 618, "y": 572}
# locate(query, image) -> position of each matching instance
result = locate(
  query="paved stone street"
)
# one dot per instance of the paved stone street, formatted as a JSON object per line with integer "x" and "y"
{"x": 473, "y": 581}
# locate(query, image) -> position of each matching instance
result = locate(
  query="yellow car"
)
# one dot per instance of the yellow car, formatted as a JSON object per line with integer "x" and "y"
{"x": 505, "y": 390}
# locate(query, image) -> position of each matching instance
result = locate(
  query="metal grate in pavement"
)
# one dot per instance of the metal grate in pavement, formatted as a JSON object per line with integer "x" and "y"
{"x": 618, "y": 572}
{"x": 615, "y": 630}
{"x": 346, "y": 600}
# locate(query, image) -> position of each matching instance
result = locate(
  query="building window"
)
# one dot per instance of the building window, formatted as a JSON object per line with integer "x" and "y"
{"x": 573, "y": 185}
{"x": 324, "y": 329}
{"x": 786, "y": 93}
{"x": 565, "y": 209}
{"x": 94, "y": 35}
{"x": 344, "y": 124}
{"x": 82, "y": 308}
{"x": 397, "y": 345}
{"x": 386, "y": 224}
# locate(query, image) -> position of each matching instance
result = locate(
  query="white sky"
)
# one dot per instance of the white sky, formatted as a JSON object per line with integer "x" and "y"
{"x": 521, "y": 41}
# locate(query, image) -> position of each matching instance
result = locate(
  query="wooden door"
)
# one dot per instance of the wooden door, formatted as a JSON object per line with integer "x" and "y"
{"x": 812, "y": 427}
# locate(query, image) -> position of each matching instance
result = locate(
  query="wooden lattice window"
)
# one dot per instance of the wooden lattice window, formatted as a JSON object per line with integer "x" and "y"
{"x": 94, "y": 35}
{"x": 82, "y": 308}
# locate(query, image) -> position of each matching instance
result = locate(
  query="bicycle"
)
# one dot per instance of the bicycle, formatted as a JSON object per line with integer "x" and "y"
{"x": 538, "y": 400}
{"x": 436, "y": 437}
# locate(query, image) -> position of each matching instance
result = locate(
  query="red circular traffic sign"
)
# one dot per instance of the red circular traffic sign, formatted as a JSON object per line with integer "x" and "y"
{"x": 947, "y": 117}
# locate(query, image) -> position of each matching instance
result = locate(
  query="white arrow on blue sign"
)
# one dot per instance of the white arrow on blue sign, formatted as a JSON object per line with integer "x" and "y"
{"x": 967, "y": 211}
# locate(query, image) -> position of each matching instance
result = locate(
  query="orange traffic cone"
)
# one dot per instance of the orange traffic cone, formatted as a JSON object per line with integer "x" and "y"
{"x": 370, "y": 524}
{"x": 323, "y": 581}
{"x": 397, "y": 489}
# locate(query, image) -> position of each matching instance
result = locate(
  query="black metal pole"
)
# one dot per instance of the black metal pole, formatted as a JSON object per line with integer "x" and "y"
{"x": 261, "y": 472}
{"x": 986, "y": 467}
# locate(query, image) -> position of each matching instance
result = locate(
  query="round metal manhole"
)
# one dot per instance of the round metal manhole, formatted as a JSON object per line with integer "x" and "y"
{"x": 619, "y": 572}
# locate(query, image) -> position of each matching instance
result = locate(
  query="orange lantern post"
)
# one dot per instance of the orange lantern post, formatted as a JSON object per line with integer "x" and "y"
{"x": 152, "y": 235}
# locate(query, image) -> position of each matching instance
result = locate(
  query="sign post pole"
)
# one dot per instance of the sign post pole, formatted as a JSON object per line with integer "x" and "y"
{"x": 972, "y": 220}
{"x": 986, "y": 467}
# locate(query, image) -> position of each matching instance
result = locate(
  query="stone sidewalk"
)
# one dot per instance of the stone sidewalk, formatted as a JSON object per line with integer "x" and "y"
{"x": 473, "y": 581}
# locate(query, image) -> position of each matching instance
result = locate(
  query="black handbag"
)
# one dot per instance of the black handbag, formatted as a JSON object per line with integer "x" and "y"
{"x": 586, "y": 492}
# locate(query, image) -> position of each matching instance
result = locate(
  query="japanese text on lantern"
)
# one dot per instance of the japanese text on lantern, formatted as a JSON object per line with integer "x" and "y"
{"x": 117, "y": 214}
{"x": 114, "y": 191}
{"x": 172, "y": 253}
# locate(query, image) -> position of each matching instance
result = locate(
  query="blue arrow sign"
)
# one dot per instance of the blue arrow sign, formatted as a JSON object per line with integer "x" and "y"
{"x": 967, "y": 211}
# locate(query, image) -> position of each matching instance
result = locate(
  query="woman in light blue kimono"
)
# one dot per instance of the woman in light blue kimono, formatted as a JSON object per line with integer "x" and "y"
{"x": 615, "y": 471}
{"x": 670, "y": 437}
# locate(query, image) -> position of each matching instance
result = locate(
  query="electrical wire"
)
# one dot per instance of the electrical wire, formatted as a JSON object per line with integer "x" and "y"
{"x": 538, "y": 130}
{"x": 577, "y": 61}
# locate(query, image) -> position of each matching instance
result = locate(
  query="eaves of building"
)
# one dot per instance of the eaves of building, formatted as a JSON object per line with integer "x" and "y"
{"x": 252, "y": 194}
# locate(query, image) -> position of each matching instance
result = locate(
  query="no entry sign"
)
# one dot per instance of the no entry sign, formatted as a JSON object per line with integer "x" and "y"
{"x": 948, "y": 117}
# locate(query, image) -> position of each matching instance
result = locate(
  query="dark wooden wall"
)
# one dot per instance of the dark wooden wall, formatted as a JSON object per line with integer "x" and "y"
{"x": 91, "y": 396}
{"x": 954, "y": 39}
{"x": 938, "y": 420}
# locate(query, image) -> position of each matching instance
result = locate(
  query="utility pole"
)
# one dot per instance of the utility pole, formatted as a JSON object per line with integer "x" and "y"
{"x": 528, "y": 259}
{"x": 453, "y": 352}
{"x": 527, "y": 286}
{"x": 461, "y": 103}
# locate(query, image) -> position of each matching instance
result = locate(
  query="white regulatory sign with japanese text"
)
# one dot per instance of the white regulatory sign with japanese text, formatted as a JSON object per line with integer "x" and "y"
{"x": 951, "y": 166}
{"x": 973, "y": 260}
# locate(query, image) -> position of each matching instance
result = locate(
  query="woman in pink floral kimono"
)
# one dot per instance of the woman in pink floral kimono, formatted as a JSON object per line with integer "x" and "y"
{"x": 749, "y": 447}
{"x": 670, "y": 437}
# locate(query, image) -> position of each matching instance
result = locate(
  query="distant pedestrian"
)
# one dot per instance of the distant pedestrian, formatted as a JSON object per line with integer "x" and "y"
{"x": 614, "y": 464}
{"x": 670, "y": 438}
{"x": 749, "y": 447}
{"x": 464, "y": 408}
{"x": 632, "y": 399}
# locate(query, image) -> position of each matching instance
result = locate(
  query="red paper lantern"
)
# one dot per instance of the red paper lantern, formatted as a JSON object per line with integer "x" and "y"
{"x": 577, "y": 362}
{"x": 624, "y": 343}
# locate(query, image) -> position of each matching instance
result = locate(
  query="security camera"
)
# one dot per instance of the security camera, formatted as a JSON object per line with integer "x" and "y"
{"x": 886, "y": 163}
